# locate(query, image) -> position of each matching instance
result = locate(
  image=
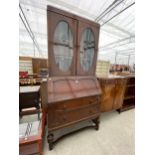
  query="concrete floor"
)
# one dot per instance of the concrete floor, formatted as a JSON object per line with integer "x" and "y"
{"x": 115, "y": 137}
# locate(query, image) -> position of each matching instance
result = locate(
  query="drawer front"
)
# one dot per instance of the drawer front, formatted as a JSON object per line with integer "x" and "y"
{"x": 81, "y": 113}
{"x": 28, "y": 149}
{"x": 78, "y": 103}
{"x": 62, "y": 116}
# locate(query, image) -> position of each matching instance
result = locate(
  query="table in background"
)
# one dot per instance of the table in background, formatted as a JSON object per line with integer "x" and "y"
{"x": 33, "y": 143}
{"x": 29, "y": 97}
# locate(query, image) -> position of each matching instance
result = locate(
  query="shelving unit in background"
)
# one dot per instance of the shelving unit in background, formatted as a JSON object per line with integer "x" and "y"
{"x": 36, "y": 68}
{"x": 129, "y": 96}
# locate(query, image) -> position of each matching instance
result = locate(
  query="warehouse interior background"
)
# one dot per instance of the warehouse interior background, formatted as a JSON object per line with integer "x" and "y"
{"x": 116, "y": 18}
{"x": 24, "y": 34}
{"x": 116, "y": 46}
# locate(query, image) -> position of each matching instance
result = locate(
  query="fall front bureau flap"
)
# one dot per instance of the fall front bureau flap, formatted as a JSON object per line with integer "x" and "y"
{"x": 67, "y": 88}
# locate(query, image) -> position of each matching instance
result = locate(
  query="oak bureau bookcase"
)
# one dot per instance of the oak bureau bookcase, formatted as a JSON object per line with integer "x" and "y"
{"x": 72, "y": 93}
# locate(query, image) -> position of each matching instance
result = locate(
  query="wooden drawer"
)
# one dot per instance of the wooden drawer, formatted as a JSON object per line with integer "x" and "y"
{"x": 63, "y": 116}
{"x": 81, "y": 112}
{"x": 73, "y": 104}
{"x": 29, "y": 149}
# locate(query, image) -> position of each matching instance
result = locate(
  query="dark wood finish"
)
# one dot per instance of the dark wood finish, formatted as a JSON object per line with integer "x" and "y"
{"x": 70, "y": 15}
{"x": 129, "y": 96}
{"x": 43, "y": 95}
{"x": 38, "y": 64}
{"x": 63, "y": 114}
{"x": 53, "y": 19}
{"x": 70, "y": 100}
{"x": 73, "y": 95}
{"x": 33, "y": 144}
{"x": 29, "y": 98}
{"x": 62, "y": 89}
{"x": 77, "y": 26}
{"x": 28, "y": 149}
{"x": 112, "y": 93}
{"x": 52, "y": 141}
{"x": 29, "y": 112}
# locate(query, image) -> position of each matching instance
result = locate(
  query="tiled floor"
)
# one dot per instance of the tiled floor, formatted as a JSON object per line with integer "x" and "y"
{"x": 115, "y": 137}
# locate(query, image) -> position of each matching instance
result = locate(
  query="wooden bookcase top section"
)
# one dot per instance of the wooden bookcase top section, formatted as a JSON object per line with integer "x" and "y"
{"x": 71, "y": 15}
{"x": 72, "y": 44}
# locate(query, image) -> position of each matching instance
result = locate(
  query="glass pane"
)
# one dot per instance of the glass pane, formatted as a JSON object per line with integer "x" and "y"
{"x": 87, "y": 47}
{"x": 63, "y": 46}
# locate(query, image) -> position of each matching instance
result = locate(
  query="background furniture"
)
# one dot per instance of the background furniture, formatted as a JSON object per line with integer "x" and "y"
{"x": 72, "y": 93}
{"x": 30, "y": 67}
{"x": 113, "y": 89}
{"x": 30, "y": 81}
{"x": 29, "y": 98}
{"x": 32, "y": 70}
{"x": 32, "y": 144}
{"x": 25, "y": 64}
{"x": 129, "y": 96}
{"x": 39, "y": 64}
{"x": 23, "y": 74}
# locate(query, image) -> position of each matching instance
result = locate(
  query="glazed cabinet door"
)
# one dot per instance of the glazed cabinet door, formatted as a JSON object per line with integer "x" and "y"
{"x": 61, "y": 44}
{"x": 87, "y": 44}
